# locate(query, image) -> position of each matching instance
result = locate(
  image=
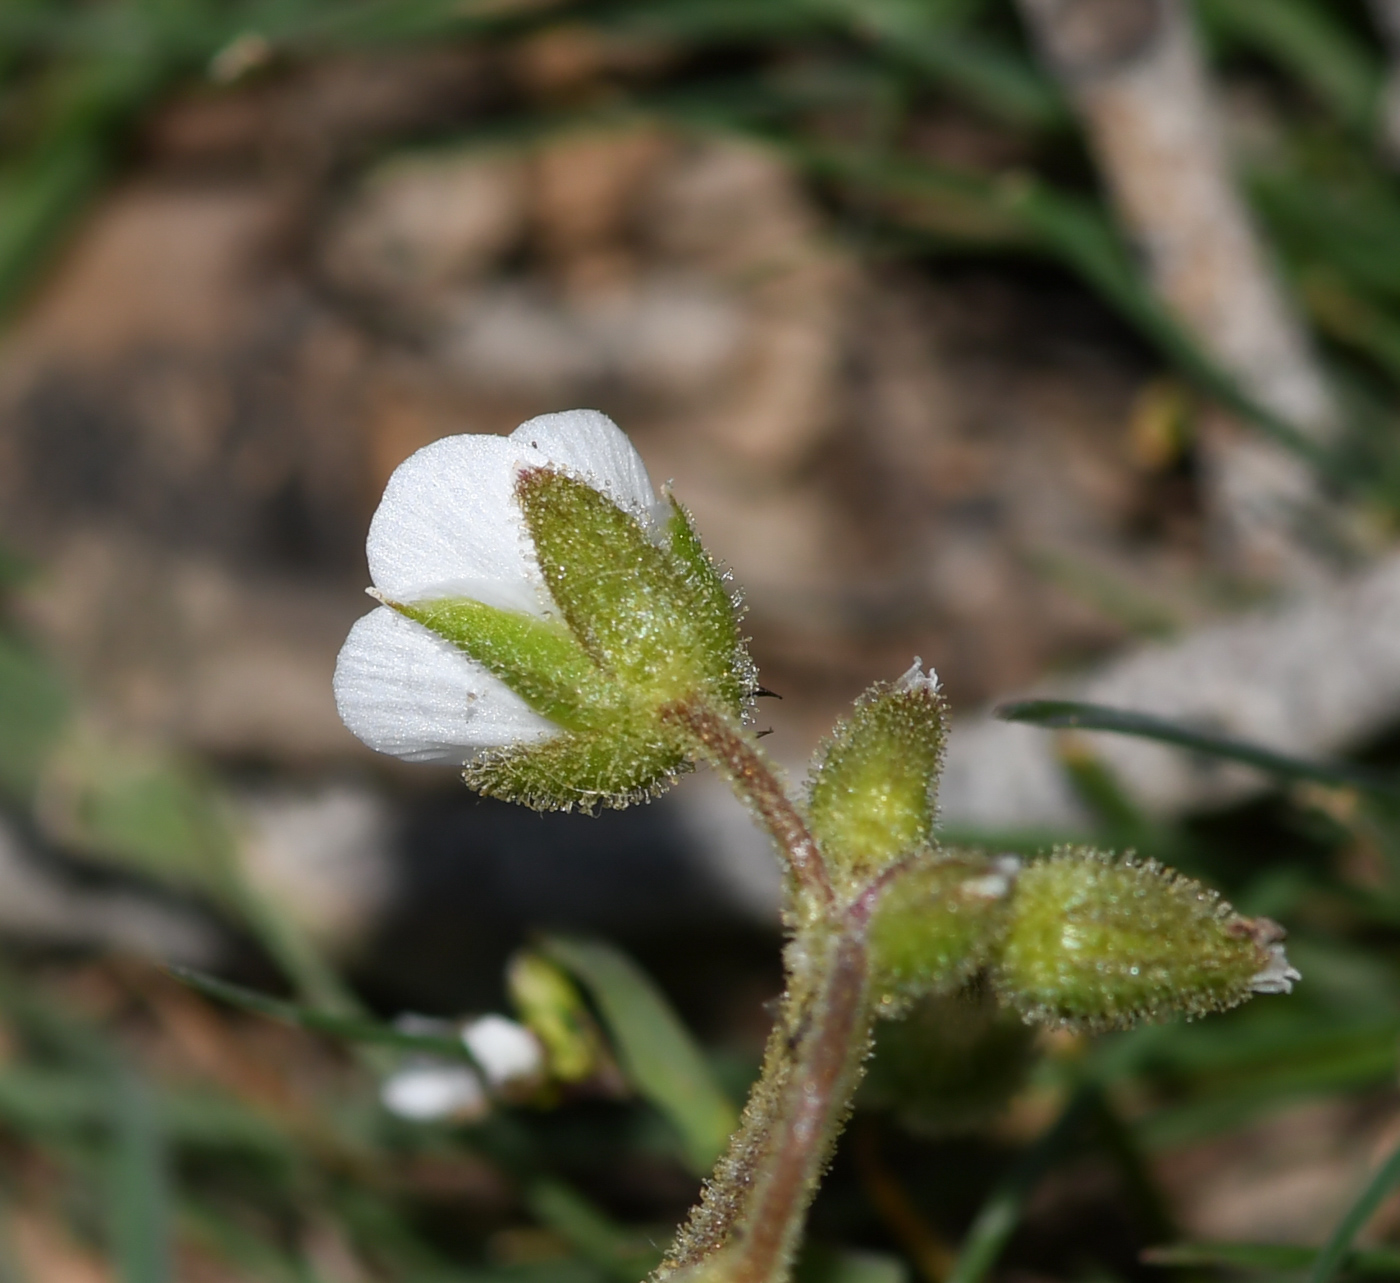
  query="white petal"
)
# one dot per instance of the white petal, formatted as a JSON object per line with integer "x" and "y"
{"x": 449, "y": 526}
{"x": 426, "y": 1093}
{"x": 504, "y": 1050}
{"x": 590, "y": 446}
{"x": 404, "y": 690}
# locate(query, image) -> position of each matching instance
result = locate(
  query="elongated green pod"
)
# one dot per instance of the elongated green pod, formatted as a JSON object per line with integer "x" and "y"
{"x": 1101, "y": 942}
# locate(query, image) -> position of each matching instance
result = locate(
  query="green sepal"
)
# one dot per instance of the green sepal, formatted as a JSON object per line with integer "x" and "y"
{"x": 870, "y": 798}
{"x": 537, "y": 658}
{"x": 938, "y": 922}
{"x": 1100, "y": 942}
{"x": 583, "y": 770}
{"x": 716, "y": 613}
{"x": 647, "y": 614}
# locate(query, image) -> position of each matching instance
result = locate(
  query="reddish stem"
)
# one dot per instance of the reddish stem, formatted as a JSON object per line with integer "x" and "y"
{"x": 748, "y": 769}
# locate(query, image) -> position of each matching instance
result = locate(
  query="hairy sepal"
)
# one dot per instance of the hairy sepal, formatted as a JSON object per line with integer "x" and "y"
{"x": 1097, "y": 942}
{"x": 870, "y": 797}
{"x": 653, "y": 616}
{"x": 537, "y": 658}
{"x": 582, "y": 771}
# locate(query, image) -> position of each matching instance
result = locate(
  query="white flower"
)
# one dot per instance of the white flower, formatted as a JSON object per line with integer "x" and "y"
{"x": 506, "y": 1052}
{"x": 429, "y": 1090}
{"x": 449, "y": 526}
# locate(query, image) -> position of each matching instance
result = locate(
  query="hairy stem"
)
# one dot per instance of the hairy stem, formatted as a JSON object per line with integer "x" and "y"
{"x": 753, "y": 1207}
{"x": 826, "y": 1067}
{"x": 730, "y": 748}
{"x": 755, "y": 1202}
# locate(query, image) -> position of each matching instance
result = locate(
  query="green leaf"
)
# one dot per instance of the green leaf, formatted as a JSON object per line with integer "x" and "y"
{"x": 138, "y": 1195}
{"x": 1273, "y": 1257}
{"x": 349, "y": 1028}
{"x": 655, "y": 1050}
{"x": 1334, "y": 1251}
{"x": 1067, "y": 713}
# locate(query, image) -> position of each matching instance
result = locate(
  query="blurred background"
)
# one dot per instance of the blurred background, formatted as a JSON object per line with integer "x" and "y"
{"x": 1054, "y": 342}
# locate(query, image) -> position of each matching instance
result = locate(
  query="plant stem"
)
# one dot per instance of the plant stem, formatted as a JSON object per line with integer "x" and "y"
{"x": 831, "y": 1048}
{"x": 753, "y": 1207}
{"x": 753, "y": 778}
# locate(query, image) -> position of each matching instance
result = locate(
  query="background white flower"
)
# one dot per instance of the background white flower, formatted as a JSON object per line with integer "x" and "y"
{"x": 449, "y": 526}
{"x": 430, "y": 1091}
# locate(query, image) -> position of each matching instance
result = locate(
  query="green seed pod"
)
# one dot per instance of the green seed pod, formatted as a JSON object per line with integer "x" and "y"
{"x": 870, "y": 798}
{"x": 949, "y": 1064}
{"x": 937, "y": 923}
{"x": 1099, "y": 942}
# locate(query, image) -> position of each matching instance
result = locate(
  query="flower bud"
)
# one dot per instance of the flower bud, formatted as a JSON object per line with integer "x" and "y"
{"x": 936, "y": 923}
{"x": 949, "y": 1064}
{"x": 870, "y": 798}
{"x": 1103, "y": 943}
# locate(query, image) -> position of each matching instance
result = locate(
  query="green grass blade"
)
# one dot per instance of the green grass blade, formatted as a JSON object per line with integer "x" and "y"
{"x": 1306, "y": 40}
{"x": 1334, "y": 1251}
{"x": 1269, "y": 1256}
{"x": 1080, "y": 235}
{"x": 589, "y": 1231}
{"x": 655, "y": 1050}
{"x": 349, "y": 1028}
{"x": 999, "y": 79}
{"x": 1000, "y": 1214}
{"x": 138, "y": 1196}
{"x": 1072, "y": 714}
{"x": 819, "y": 1264}
{"x": 33, "y": 713}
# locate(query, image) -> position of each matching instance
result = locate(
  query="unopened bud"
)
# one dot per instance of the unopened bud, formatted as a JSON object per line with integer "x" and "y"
{"x": 870, "y": 799}
{"x": 950, "y": 1063}
{"x": 1101, "y": 943}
